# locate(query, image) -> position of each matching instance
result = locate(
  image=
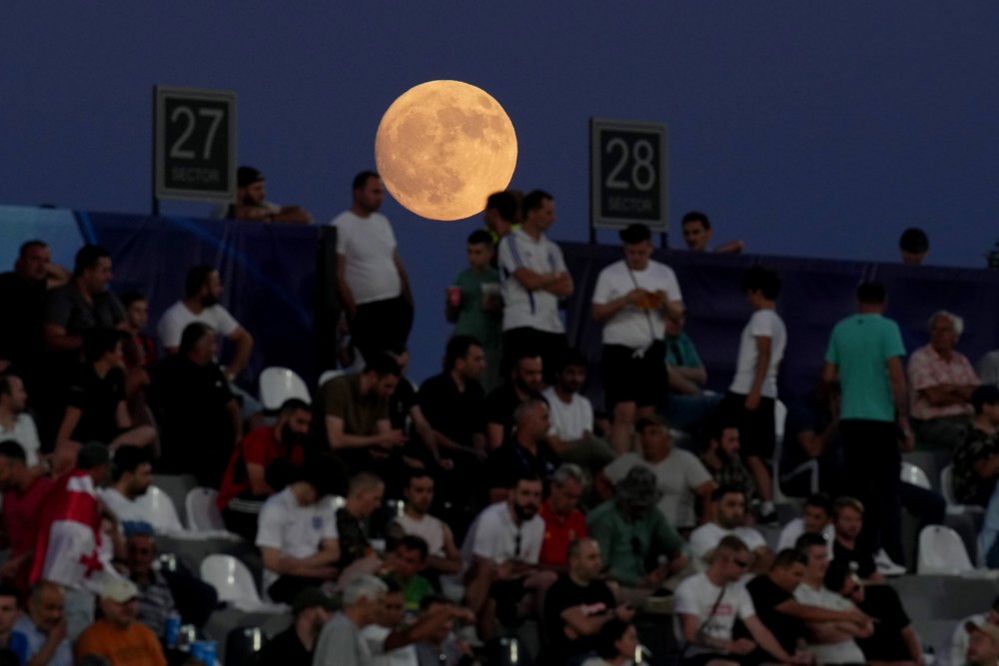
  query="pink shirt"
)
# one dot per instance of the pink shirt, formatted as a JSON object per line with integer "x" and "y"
{"x": 927, "y": 368}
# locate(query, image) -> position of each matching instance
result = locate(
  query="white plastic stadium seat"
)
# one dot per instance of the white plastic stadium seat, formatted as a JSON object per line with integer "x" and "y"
{"x": 954, "y": 508}
{"x": 202, "y": 513}
{"x": 160, "y": 509}
{"x": 915, "y": 475}
{"x": 280, "y": 384}
{"x": 330, "y": 374}
{"x": 231, "y": 579}
{"x": 941, "y": 551}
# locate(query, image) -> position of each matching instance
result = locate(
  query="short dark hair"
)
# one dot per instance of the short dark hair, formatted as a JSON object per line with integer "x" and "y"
{"x": 88, "y": 257}
{"x": 382, "y": 364}
{"x": 534, "y": 199}
{"x": 644, "y": 422}
{"x": 809, "y": 540}
{"x": 321, "y": 473}
{"x": 986, "y": 394}
{"x": 635, "y": 233}
{"x": 192, "y": 335}
{"x": 92, "y": 455}
{"x": 196, "y": 279}
{"x": 914, "y": 240}
{"x": 820, "y": 501}
{"x": 413, "y": 542}
{"x": 361, "y": 179}
{"x": 292, "y": 405}
{"x": 99, "y": 341}
{"x": 480, "y": 237}
{"x": 5, "y": 385}
{"x": 871, "y": 293}
{"x": 31, "y": 245}
{"x": 516, "y": 479}
{"x": 573, "y": 357}
{"x": 718, "y": 427}
{"x": 417, "y": 473}
{"x": 128, "y": 459}
{"x": 12, "y": 450}
{"x": 431, "y": 599}
{"x": 505, "y": 203}
{"x": 457, "y": 348}
{"x": 763, "y": 280}
{"x": 9, "y": 591}
{"x": 696, "y": 216}
{"x": 787, "y": 558}
{"x": 726, "y": 489}
{"x": 247, "y": 175}
{"x": 609, "y": 634}
{"x": 130, "y": 297}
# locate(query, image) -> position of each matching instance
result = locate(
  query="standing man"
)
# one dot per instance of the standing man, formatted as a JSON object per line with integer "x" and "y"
{"x": 371, "y": 280}
{"x": 865, "y": 353}
{"x": 631, "y": 299}
{"x": 534, "y": 279}
{"x": 697, "y": 233}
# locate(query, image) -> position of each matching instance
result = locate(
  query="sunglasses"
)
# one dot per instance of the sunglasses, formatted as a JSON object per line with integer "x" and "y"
{"x": 742, "y": 564}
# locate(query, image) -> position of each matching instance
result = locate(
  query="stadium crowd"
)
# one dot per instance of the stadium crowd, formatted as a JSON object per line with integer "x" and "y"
{"x": 429, "y": 524}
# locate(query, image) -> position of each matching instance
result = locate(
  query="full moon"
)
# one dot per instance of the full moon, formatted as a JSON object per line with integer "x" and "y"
{"x": 443, "y": 147}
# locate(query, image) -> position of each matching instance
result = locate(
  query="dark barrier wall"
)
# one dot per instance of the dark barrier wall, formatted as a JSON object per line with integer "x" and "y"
{"x": 815, "y": 295}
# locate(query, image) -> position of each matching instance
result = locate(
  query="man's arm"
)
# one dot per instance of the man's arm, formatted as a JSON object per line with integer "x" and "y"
{"x": 911, "y": 639}
{"x": 451, "y": 562}
{"x": 494, "y": 435}
{"x": 346, "y": 295}
{"x": 69, "y": 422}
{"x": 121, "y": 416}
{"x": 795, "y": 608}
{"x": 57, "y": 339}
{"x": 256, "y": 477}
{"x": 704, "y": 491}
{"x": 403, "y": 277}
{"x": 232, "y": 407}
{"x": 896, "y": 376}
{"x": 338, "y": 439}
{"x": 241, "y": 355}
{"x": 428, "y": 624}
{"x": 57, "y": 276}
{"x": 604, "y": 311}
{"x": 318, "y": 565}
{"x": 559, "y": 284}
{"x": 763, "y": 347}
{"x": 765, "y": 639}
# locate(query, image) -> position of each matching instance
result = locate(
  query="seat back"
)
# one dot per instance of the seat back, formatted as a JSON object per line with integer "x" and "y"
{"x": 915, "y": 475}
{"x": 941, "y": 551}
{"x": 203, "y": 514}
{"x": 278, "y": 385}
{"x": 159, "y": 507}
{"x": 230, "y": 578}
{"x": 947, "y": 484}
{"x": 330, "y": 374}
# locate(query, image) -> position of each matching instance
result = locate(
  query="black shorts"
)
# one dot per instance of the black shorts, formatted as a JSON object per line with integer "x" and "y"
{"x": 757, "y": 431}
{"x": 629, "y": 377}
{"x": 508, "y": 595}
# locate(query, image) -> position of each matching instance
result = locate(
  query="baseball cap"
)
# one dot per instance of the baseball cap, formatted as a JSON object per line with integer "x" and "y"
{"x": 311, "y": 597}
{"x": 247, "y": 175}
{"x": 985, "y": 627}
{"x": 120, "y": 590}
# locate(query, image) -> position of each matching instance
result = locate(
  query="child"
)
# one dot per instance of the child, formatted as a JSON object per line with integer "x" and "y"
{"x": 475, "y": 306}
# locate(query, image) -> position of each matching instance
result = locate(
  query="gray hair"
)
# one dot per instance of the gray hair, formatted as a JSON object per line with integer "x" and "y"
{"x": 364, "y": 587}
{"x": 568, "y": 472}
{"x": 956, "y": 320}
{"x": 526, "y": 407}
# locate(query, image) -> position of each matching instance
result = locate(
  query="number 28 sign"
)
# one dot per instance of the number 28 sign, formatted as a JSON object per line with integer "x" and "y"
{"x": 195, "y": 144}
{"x": 627, "y": 174}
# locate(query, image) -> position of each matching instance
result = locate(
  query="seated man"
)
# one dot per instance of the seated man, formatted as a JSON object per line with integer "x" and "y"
{"x": 572, "y": 417}
{"x": 116, "y": 636}
{"x": 15, "y": 421}
{"x": 689, "y": 404}
{"x": 525, "y": 382}
{"x": 579, "y": 604}
{"x": 39, "y": 636}
{"x": 697, "y": 234}
{"x": 526, "y": 452}
{"x": 403, "y": 565}
{"x": 983, "y": 645}
{"x": 24, "y": 493}
{"x": 811, "y": 433}
{"x": 251, "y": 201}
{"x": 564, "y": 522}
{"x": 364, "y": 497}
{"x": 976, "y": 458}
{"x": 442, "y": 648}
{"x": 959, "y": 639}
{"x": 730, "y": 519}
{"x": 297, "y": 535}
{"x": 816, "y": 519}
{"x": 708, "y": 604}
{"x": 131, "y": 476}
{"x": 244, "y": 486}
{"x": 942, "y": 380}
{"x": 443, "y": 556}
{"x": 721, "y": 458}
{"x": 848, "y": 522}
{"x": 642, "y": 548}
{"x": 388, "y": 618}
{"x": 156, "y": 602}
{"x": 503, "y": 546}
{"x": 681, "y": 477}
{"x": 310, "y": 611}
{"x": 830, "y": 642}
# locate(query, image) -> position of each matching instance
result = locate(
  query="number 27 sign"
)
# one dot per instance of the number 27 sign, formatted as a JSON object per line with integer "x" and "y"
{"x": 627, "y": 174}
{"x": 195, "y": 144}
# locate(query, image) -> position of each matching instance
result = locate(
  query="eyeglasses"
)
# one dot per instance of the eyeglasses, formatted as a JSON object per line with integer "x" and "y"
{"x": 742, "y": 564}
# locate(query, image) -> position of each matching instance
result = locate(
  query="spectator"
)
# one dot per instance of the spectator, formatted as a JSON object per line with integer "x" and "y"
{"x": 865, "y": 353}
{"x": 527, "y": 451}
{"x": 198, "y": 415}
{"x": 364, "y": 497}
{"x": 815, "y": 519}
{"x": 15, "y": 421}
{"x": 831, "y": 643}
{"x": 155, "y": 598}
{"x": 404, "y": 564}
{"x": 534, "y": 279}
{"x": 24, "y": 492}
{"x": 976, "y": 459}
{"x": 689, "y": 404}
{"x": 96, "y": 409}
{"x": 355, "y": 412}
{"x": 502, "y": 214}
{"x": 941, "y": 381}
{"x": 914, "y": 245}
{"x": 616, "y": 644}
{"x": 697, "y": 234}
{"x": 441, "y": 648}
{"x": 388, "y": 618}
{"x": 526, "y": 381}
{"x": 681, "y": 478}
{"x": 631, "y": 299}
{"x": 297, "y": 535}
{"x": 244, "y": 485}
{"x": 753, "y": 392}
{"x": 848, "y": 521}
{"x": 131, "y": 476}
{"x": 813, "y": 445}
{"x": 564, "y": 522}
{"x": 572, "y": 416}
{"x": 721, "y": 459}
{"x": 983, "y": 645}
{"x": 251, "y": 201}
{"x": 371, "y": 280}
{"x": 39, "y": 636}
{"x": 894, "y": 640}
{"x": 141, "y": 346}
{"x": 415, "y": 519}
{"x": 339, "y": 641}
{"x": 959, "y": 640}
{"x": 294, "y": 646}
{"x": 579, "y": 605}
{"x": 405, "y": 415}
{"x": 730, "y": 520}
{"x": 708, "y": 604}
{"x": 201, "y": 303}
{"x": 117, "y": 637}
{"x": 505, "y": 542}
{"x": 475, "y": 306}
{"x": 642, "y": 548}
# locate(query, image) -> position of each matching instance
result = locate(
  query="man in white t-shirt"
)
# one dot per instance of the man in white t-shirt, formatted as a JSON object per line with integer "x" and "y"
{"x": 297, "y": 534}
{"x": 708, "y": 604}
{"x": 753, "y": 393}
{"x": 202, "y": 291}
{"x": 502, "y": 550}
{"x": 443, "y": 556}
{"x": 631, "y": 298}
{"x": 15, "y": 421}
{"x": 680, "y": 476}
{"x": 730, "y": 520}
{"x": 815, "y": 519}
{"x": 371, "y": 279}
{"x": 534, "y": 278}
{"x": 571, "y": 416}
{"x": 131, "y": 477}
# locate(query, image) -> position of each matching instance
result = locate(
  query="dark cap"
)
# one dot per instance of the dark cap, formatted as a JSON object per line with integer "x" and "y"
{"x": 635, "y": 233}
{"x": 312, "y": 597}
{"x": 247, "y": 175}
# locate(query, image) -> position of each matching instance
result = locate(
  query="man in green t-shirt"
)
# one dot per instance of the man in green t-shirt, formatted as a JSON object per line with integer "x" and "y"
{"x": 404, "y": 564}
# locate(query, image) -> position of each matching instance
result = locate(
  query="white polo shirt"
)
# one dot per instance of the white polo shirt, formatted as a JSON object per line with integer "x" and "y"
{"x": 495, "y": 536}
{"x": 631, "y": 326}
{"x": 522, "y": 308}
{"x": 177, "y": 317}
{"x": 293, "y": 529}
{"x": 369, "y": 245}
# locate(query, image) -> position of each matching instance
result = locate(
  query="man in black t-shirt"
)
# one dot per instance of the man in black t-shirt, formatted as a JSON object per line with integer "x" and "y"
{"x": 848, "y": 520}
{"x": 311, "y": 609}
{"x": 525, "y": 382}
{"x": 578, "y": 605}
{"x": 526, "y": 452}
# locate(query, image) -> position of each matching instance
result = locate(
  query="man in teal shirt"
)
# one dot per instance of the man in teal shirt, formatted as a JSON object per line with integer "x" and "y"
{"x": 865, "y": 354}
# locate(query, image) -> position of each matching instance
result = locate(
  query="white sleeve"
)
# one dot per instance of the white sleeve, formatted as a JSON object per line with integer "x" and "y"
{"x": 559, "y": 259}
{"x": 787, "y": 537}
{"x": 269, "y": 527}
{"x": 673, "y": 292}
{"x": 587, "y": 413}
{"x": 389, "y": 233}
{"x": 702, "y": 541}
{"x": 169, "y": 328}
{"x": 602, "y": 291}
{"x": 763, "y": 324}
{"x": 695, "y": 471}
{"x": 329, "y": 525}
{"x": 28, "y": 438}
{"x": 746, "y": 608}
{"x": 485, "y": 543}
{"x": 619, "y": 467}
{"x": 225, "y": 323}
{"x": 685, "y": 599}
{"x": 533, "y": 551}
{"x": 342, "y": 235}
{"x": 506, "y": 259}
